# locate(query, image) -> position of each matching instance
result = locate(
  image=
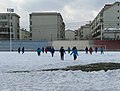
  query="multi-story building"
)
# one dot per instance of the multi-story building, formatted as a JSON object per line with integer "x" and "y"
{"x": 84, "y": 32}
{"x": 107, "y": 18}
{"x": 47, "y": 26}
{"x": 5, "y": 26}
{"x": 69, "y": 35}
{"x": 76, "y": 34}
{"x": 24, "y": 34}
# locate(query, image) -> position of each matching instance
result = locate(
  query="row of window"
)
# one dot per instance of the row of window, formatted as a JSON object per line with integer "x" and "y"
{"x": 6, "y": 35}
{"x": 5, "y": 30}
{"x": 5, "y": 23}
{"x": 4, "y": 17}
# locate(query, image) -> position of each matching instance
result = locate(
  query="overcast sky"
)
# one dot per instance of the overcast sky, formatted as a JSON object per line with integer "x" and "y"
{"x": 74, "y": 12}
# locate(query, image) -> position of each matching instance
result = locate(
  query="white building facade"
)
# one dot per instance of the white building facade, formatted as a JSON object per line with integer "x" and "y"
{"x": 47, "y": 26}
{"x": 69, "y": 35}
{"x": 107, "y": 18}
{"x": 24, "y": 34}
{"x": 5, "y": 26}
{"x": 84, "y": 32}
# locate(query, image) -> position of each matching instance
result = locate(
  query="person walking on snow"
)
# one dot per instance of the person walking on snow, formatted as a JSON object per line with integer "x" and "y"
{"x": 43, "y": 49}
{"x": 96, "y": 49}
{"x": 102, "y": 50}
{"x": 68, "y": 50}
{"x": 75, "y": 53}
{"x": 38, "y": 51}
{"x": 52, "y": 51}
{"x": 62, "y": 52}
{"x": 90, "y": 50}
{"x": 23, "y": 50}
{"x": 46, "y": 50}
{"x": 19, "y": 50}
{"x": 86, "y": 50}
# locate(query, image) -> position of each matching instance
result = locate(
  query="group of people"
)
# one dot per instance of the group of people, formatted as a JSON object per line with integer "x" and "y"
{"x": 62, "y": 52}
{"x": 19, "y": 50}
{"x": 90, "y": 50}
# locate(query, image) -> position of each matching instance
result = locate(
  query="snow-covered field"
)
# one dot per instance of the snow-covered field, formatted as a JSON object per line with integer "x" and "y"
{"x": 36, "y": 80}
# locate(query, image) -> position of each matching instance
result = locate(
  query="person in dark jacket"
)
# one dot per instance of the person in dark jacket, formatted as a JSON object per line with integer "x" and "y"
{"x": 75, "y": 53}
{"x": 96, "y": 49}
{"x": 43, "y": 49}
{"x": 86, "y": 50}
{"x": 52, "y": 51}
{"x": 62, "y": 52}
{"x": 19, "y": 50}
{"x": 23, "y": 50}
{"x": 90, "y": 50}
{"x": 38, "y": 51}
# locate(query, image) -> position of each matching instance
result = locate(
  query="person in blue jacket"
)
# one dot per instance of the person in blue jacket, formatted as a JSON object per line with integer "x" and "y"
{"x": 68, "y": 50}
{"x": 38, "y": 51}
{"x": 75, "y": 53}
{"x": 102, "y": 50}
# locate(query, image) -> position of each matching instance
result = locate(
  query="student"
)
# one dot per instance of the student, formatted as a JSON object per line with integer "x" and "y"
{"x": 75, "y": 53}
{"x": 23, "y": 50}
{"x": 46, "y": 50}
{"x": 86, "y": 50}
{"x": 52, "y": 50}
{"x": 96, "y": 49}
{"x": 102, "y": 50}
{"x": 19, "y": 50}
{"x": 43, "y": 49}
{"x": 90, "y": 50}
{"x": 62, "y": 52}
{"x": 38, "y": 51}
{"x": 68, "y": 50}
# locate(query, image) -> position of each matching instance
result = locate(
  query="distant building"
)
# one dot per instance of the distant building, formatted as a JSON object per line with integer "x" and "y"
{"x": 24, "y": 34}
{"x": 69, "y": 35}
{"x": 47, "y": 26}
{"x": 76, "y": 34}
{"x": 107, "y": 18}
{"x": 84, "y": 32}
{"x": 5, "y": 26}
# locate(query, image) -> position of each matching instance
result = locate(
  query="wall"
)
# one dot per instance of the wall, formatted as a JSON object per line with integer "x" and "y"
{"x": 79, "y": 44}
{"x": 28, "y": 44}
{"x": 69, "y": 35}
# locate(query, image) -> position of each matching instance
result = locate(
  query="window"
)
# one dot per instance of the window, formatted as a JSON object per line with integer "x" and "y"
{"x": 11, "y": 29}
{"x": 118, "y": 11}
{"x": 118, "y": 4}
{"x": 118, "y": 24}
{"x": 2, "y": 17}
{"x": 30, "y": 16}
{"x": 30, "y": 22}
{"x": 18, "y": 36}
{"x": 118, "y": 17}
{"x": 30, "y": 28}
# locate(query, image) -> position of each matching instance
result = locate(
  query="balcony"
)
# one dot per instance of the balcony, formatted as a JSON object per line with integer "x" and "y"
{"x": 4, "y": 33}
{"x": 4, "y": 26}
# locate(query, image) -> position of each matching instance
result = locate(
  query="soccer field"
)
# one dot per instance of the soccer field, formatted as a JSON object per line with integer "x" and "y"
{"x": 35, "y": 80}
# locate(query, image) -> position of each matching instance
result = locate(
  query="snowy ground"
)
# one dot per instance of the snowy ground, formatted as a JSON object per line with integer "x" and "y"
{"x": 56, "y": 80}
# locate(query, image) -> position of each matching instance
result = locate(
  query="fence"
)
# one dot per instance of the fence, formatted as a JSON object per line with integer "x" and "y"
{"x": 28, "y": 44}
